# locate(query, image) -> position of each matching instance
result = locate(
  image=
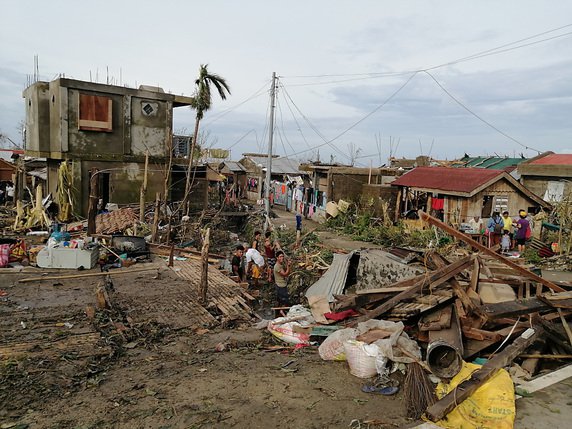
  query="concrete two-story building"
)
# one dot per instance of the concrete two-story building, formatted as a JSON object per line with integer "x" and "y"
{"x": 104, "y": 127}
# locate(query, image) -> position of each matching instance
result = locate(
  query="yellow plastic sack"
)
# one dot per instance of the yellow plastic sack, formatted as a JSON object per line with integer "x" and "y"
{"x": 491, "y": 406}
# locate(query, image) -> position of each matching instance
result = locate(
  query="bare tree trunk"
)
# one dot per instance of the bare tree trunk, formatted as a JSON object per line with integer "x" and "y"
{"x": 189, "y": 183}
{"x": 155, "y": 228}
{"x": 204, "y": 275}
{"x": 168, "y": 170}
{"x": 93, "y": 200}
{"x": 143, "y": 190}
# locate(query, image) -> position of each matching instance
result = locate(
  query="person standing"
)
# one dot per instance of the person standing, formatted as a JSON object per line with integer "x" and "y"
{"x": 237, "y": 268}
{"x": 522, "y": 228}
{"x": 10, "y": 192}
{"x": 495, "y": 227}
{"x": 507, "y": 220}
{"x": 255, "y": 265}
{"x": 281, "y": 272}
{"x": 270, "y": 248}
{"x": 256, "y": 240}
{"x": 505, "y": 242}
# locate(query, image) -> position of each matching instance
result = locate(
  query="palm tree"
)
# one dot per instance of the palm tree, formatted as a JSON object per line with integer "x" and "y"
{"x": 202, "y": 101}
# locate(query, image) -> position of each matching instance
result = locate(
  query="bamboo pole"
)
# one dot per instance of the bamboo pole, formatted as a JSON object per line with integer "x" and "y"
{"x": 155, "y": 228}
{"x": 93, "y": 200}
{"x": 205, "y": 270}
{"x": 143, "y": 191}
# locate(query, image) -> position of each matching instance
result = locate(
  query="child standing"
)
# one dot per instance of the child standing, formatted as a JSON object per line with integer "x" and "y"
{"x": 505, "y": 242}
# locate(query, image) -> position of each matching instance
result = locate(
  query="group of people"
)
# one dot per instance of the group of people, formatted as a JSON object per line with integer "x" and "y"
{"x": 506, "y": 231}
{"x": 273, "y": 265}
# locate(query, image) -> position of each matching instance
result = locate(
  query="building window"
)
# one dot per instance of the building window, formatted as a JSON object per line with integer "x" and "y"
{"x": 501, "y": 203}
{"x": 95, "y": 113}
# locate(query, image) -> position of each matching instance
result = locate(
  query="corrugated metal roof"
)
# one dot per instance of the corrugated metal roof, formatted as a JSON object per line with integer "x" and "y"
{"x": 554, "y": 159}
{"x": 333, "y": 281}
{"x": 234, "y": 166}
{"x": 493, "y": 162}
{"x": 279, "y": 165}
{"x": 446, "y": 178}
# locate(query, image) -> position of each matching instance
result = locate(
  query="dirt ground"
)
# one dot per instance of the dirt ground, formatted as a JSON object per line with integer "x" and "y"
{"x": 128, "y": 368}
{"x": 149, "y": 363}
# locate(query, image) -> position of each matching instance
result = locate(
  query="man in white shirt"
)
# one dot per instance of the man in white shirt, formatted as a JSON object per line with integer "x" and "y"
{"x": 254, "y": 264}
{"x": 9, "y": 192}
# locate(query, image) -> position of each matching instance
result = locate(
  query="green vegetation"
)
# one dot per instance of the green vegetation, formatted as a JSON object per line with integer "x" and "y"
{"x": 364, "y": 227}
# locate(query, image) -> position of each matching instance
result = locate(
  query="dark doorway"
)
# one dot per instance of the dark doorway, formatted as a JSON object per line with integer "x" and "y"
{"x": 487, "y": 206}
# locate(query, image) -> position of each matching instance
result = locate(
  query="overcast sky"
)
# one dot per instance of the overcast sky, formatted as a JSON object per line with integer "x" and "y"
{"x": 371, "y": 77}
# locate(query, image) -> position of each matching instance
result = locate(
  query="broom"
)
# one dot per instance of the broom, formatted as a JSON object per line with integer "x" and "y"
{"x": 418, "y": 391}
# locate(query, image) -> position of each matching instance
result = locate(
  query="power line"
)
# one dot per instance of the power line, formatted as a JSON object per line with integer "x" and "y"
{"x": 328, "y": 142}
{"x": 493, "y": 51}
{"x": 256, "y": 94}
{"x": 476, "y": 115}
{"x": 299, "y": 128}
{"x": 314, "y": 128}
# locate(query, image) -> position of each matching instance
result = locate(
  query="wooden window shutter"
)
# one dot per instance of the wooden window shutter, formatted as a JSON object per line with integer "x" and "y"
{"x": 95, "y": 113}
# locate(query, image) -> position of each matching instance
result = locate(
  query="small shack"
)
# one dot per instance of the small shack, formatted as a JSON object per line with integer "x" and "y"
{"x": 549, "y": 174}
{"x": 456, "y": 194}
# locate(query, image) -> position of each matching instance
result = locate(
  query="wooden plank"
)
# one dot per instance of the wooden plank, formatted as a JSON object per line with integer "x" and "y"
{"x": 514, "y": 308}
{"x": 437, "y": 320}
{"x": 465, "y": 389}
{"x": 76, "y": 276}
{"x": 463, "y": 237}
{"x": 469, "y": 305}
{"x": 383, "y": 290}
{"x": 554, "y": 335}
{"x": 434, "y": 278}
{"x": 547, "y": 380}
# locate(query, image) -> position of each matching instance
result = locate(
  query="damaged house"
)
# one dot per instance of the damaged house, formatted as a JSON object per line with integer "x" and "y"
{"x": 454, "y": 195}
{"x": 104, "y": 127}
{"x": 332, "y": 183}
{"x": 285, "y": 173}
{"x": 549, "y": 174}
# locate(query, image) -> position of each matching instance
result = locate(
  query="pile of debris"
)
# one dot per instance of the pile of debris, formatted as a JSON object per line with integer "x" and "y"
{"x": 482, "y": 307}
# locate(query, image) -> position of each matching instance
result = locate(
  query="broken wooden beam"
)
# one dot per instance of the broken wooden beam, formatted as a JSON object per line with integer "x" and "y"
{"x": 515, "y": 308}
{"x": 465, "y": 238}
{"x": 468, "y": 304}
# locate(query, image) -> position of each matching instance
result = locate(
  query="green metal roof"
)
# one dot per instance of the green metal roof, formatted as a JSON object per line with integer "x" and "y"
{"x": 492, "y": 162}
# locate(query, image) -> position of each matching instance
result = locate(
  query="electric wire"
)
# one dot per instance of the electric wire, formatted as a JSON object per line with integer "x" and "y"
{"x": 481, "y": 54}
{"x": 477, "y": 116}
{"x": 223, "y": 113}
{"x": 279, "y": 106}
{"x": 299, "y": 128}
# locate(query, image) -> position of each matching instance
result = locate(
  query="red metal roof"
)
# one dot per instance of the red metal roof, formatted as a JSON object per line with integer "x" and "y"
{"x": 447, "y": 179}
{"x": 554, "y": 159}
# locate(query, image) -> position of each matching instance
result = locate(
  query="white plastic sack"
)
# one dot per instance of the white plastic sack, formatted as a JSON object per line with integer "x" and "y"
{"x": 361, "y": 358}
{"x": 283, "y": 327}
{"x": 333, "y": 346}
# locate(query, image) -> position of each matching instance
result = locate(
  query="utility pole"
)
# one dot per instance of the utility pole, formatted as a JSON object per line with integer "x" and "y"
{"x": 269, "y": 162}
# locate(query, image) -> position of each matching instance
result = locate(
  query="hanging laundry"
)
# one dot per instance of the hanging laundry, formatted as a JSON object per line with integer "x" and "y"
{"x": 438, "y": 203}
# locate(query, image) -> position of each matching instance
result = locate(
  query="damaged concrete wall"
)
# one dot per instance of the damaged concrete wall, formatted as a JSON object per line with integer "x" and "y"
{"x": 37, "y": 119}
{"x": 103, "y": 126}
